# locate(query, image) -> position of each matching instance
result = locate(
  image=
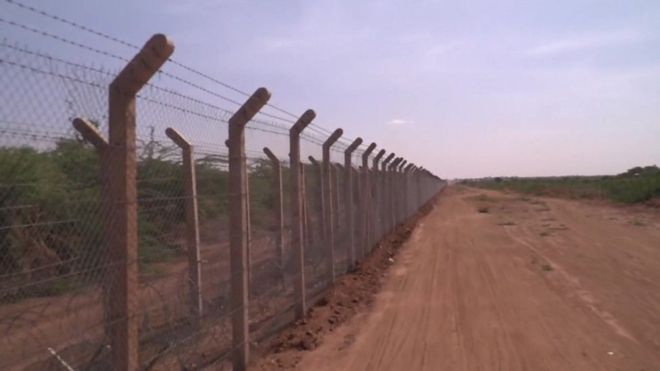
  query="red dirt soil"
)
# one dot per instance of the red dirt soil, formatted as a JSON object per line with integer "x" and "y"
{"x": 352, "y": 294}
{"x": 495, "y": 281}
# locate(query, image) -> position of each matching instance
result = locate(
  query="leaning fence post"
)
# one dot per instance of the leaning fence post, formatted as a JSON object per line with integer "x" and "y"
{"x": 279, "y": 204}
{"x": 123, "y": 197}
{"x": 364, "y": 212}
{"x": 385, "y": 195}
{"x": 297, "y": 212}
{"x": 375, "y": 197}
{"x": 327, "y": 200}
{"x": 238, "y": 225}
{"x": 192, "y": 221}
{"x": 348, "y": 194}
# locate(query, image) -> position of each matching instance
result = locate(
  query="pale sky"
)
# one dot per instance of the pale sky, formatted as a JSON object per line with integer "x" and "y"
{"x": 463, "y": 88}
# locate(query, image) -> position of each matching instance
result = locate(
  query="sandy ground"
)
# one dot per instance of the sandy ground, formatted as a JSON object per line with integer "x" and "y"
{"x": 526, "y": 284}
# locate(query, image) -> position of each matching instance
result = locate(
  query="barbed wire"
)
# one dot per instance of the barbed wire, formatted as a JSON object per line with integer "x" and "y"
{"x": 272, "y": 127}
{"x": 281, "y": 129}
{"x": 313, "y": 126}
{"x": 263, "y": 126}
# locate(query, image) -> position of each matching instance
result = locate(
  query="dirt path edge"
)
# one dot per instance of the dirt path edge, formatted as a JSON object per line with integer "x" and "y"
{"x": 352, "y": 293}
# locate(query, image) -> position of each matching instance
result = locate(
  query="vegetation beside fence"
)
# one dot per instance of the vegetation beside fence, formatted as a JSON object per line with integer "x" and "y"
{"x": 639, "y": 184}
{"x": 46, "y": 184}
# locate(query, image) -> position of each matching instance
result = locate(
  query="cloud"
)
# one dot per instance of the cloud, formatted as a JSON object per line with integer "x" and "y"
{"x": 585, "y": 42}
{"x": 399, "y": 122}
{"x": 280, "y": 44}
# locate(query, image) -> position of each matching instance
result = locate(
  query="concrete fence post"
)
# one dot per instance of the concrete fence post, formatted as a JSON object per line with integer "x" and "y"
{"x": 400, "y": 178}
{"x": 279, "y": 205}
{"x": 407, "y": 201}
{"x": 336, "y": 171}
{"x": 401, "y": 190}
{"x": 393, "y": 188}
{"x": 390, "y": 201}
{"x": 308, "y": 238}
{"x": 192, "y": 221}
{"x": 122, "y": 189}
{"x": 297, "y": 244}
{"x": 385, "y": 195}
{"x": 238, "y": 226}
{"x": 364, "y": 211}
{"x": 406, "y": 204}
{"x": 329, "y": 200}
{"x": 349, "y": 197}
{"x": 357, "y": 204}
{"x": 418, "y": 181}
{"x": 414, "y": 188}
{"x": 91, "y": 134}
{"x": 375, "y": 197}
{"x": 320, "y": 196}
{"x": 412, "y": 205}
{"x": 389, "y": 185}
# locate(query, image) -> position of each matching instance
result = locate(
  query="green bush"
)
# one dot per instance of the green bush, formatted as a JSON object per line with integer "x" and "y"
{"x": 51, "y": 214}
{"x": 636, "y": 185}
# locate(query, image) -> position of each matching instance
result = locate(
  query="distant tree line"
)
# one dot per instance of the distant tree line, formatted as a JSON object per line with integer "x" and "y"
{"x": 638, "y": 184}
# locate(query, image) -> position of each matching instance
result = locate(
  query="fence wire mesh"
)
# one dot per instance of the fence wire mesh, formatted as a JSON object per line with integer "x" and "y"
{"x": 58, "y": 271}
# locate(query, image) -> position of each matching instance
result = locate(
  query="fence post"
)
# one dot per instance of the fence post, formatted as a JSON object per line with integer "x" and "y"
{"x": 419, "y": 186}
{"x": 364, "y": 211}
{"x": 303, "y": 195}
{"x": 307, "y": 235}
{"x": 238, "y": 226}
{"x": 328, "y": 201}
{"x": 385, "y": 195}
{"x": 401, "y": 189}
{"x": 122, "y": 189}
{"x": 320, "y": 196}
{"x": 412, "y": 208}
{"x": 414, "y": 194}
{"x": 192, "y": 221}
{"x": 297, "y": 211}
{"x": 279, "y": 204}
{"x": 406, "y": 205}
{"x": 375, "y": 197}
{"x": 357, "y": 204}
{"x": 337, "y": 169}
{"x": 91, "y": 134}
{"x": 350, "y": 205}
{"x": 393, "y": 192}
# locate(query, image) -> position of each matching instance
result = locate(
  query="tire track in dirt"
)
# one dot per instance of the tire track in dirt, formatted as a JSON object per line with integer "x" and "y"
{"x": 471, "y": 293}
{"x": 584, "y": 295}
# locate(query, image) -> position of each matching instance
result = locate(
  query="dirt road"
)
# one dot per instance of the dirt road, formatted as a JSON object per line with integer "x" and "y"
{"x": 493, "y": 281}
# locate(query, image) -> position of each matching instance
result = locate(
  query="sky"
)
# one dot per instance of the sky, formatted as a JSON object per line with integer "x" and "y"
{"x": 464, "y": 88}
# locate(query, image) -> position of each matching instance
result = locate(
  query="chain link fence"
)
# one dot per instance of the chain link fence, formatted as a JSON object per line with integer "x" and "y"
{"x": 70, "y": 300}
